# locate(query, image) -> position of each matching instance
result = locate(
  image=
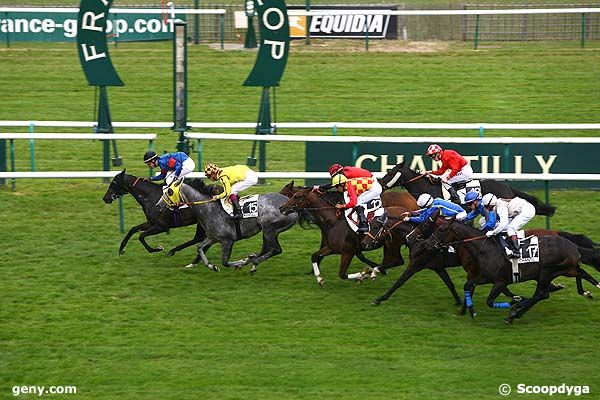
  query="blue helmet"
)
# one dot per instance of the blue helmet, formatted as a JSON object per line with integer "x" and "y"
{"x": 472, "y": 196}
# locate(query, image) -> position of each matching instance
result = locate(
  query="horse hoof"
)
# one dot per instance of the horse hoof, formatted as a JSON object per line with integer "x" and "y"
{"x": 121, "y": 252}
{"x": 376, "y": 302}
{"x": 320, "y": 281}
{"x": 517, "y": 298}
{"x": 358, "y": 281}
{"x": 508, "y": 320}
{"x": 159, "y": 248}
{"x": 191, "y": 265}
{"x": 588, "y": 294}
{"x": 473, "y": 313}
{"x": 213, "y": 267}
{"x": 170, "y": 253}
{"x": 251, "y": 256}
{"x": 253, "y": 270}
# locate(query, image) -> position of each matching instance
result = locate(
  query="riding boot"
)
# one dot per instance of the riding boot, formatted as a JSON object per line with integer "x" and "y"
{"x": 237, "y": 210}
{"x": 363, "y": 225}
{"x": 453, "y": 194}
{"x": 513, "y": 244}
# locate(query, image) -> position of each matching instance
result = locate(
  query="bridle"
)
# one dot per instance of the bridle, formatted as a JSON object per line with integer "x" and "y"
{"x": 440, "y": 244}
{"x": 122, "y": 188}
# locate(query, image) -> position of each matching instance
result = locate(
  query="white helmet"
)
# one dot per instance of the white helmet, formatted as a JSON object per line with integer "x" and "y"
{"x": 489, "y": 199}
{"x": 425, "y": 200}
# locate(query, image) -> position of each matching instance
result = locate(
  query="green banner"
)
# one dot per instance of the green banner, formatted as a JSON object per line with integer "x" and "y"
{"x": 554, "y": 158}
{"x": 274, "y": 44}
{"x": 91, "y": 43}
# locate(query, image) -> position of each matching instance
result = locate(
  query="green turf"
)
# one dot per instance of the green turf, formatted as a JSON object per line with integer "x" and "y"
{"x": 141, "y": 327}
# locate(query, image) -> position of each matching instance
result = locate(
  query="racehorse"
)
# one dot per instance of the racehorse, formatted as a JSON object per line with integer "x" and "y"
{"x": 147, "y": 194}
{"x": 395, "y": 233}
{"x": 336, "y": 235}
{"x": 557, "y": 257}
{"x": 221, "y": 228}
{"x": 402, "y": 175}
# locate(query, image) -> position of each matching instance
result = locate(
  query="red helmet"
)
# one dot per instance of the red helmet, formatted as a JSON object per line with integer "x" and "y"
{"x": 335, "y": 169}
{"x": 433, "y": 149}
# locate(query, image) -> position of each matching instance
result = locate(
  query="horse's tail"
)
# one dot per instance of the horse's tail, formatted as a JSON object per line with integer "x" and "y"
{"x": 590, "y": 257}
{"x": 540, "y": 208}
{"x": 579, "y": 239}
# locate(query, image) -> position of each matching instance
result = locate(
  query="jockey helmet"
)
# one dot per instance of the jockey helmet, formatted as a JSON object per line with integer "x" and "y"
{"x": 489, "y": 199}
{"x": 149, "y": 156}
{"x": 339, "y": 179}
{"x": 433, "y": 149}
{"x": 472, "y": 196}
{"x": 425, "y": 200}
{"x": 211, "y": 169}
{"x": 335, "y": 169}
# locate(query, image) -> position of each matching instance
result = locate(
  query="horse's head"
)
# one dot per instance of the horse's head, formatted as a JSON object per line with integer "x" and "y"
{"x": 116, "y": 188}
{"x": 298, "y": 201}
{"x": 442, "y": 233}
{"x": 378, "y": 230}
{"x": 289, "y": 189}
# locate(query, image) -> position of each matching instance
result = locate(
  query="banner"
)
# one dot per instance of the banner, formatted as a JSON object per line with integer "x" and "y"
{"x": 274, "y": 44}
{"x": 91, "y": 44}
{"x": 554, "y": 158}
{"x": 345, "y": 26}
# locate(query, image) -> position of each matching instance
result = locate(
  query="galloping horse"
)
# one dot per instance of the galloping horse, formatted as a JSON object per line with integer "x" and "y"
{"x": 558, "y": 257}
{"x": 336, "y": 235}
{"x": 402, "y": 175}
{"x": 147, "y": 194}
{"x": 221, "y": 228}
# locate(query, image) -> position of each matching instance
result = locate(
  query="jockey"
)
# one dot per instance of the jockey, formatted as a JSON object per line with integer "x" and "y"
{"x": 489, "y": 217}
{"x": 348, "y": 171}
{"x": 460, "y": 169}
{"x": 234, "y": 179}
{"x": 513, "y": 214}
{"x": 360, "y": 192}
{"x": 172, "y": 165}
{"x": 429, "y": 206}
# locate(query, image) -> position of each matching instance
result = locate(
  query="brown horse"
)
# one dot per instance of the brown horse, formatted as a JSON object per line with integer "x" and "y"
{"x": 336, "y": 235}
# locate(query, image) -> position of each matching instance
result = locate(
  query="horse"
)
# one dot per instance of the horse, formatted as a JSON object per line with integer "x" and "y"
{"x": 396, "y": 233}
{"x": 336, "y": 235}
{"x": 220, "y": 227}
{"x": 402, "y": 175}
{"x": 147, "y": 194}
{"x": 558, "y": 256}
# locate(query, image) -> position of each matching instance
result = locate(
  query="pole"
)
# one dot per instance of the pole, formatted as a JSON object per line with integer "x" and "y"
{"x": 32, "y": 148}
{"x": 263, "y": 128}
{"x": 366, "y": 32}
{"x": 308, "y": 21}
{"x": 2, "y": 160}
{"x": 12, "y": 164}
{"x": 180, "y": 85}
{"x": 196, "y": 23}
{"x": 582, "y": 42}
{"x": 222, "y": 30}
{"x": 476, "y": 38}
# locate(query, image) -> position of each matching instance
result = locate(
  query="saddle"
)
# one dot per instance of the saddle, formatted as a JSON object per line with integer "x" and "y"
{"x": 248, "y": 204}
{"x": 462, "y": 188}
{"x": 529, "y": 251}
{"x": 172, "y": 196}
{"x": 372, "y": 209}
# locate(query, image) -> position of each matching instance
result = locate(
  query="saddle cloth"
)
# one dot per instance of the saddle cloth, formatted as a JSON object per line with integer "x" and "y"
{"x": 529, "y": 251}
{"x": 373, "y": 208}
{"x": 172, "y": 196}
{"x": 248, "y": 204}
{"x": 463, "y": 188}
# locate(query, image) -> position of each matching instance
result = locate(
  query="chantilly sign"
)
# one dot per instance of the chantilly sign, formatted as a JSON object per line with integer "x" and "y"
{"x": 564, "y": 158}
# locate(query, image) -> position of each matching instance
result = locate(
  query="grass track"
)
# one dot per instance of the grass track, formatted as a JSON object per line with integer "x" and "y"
{"x": 141, "y": 327}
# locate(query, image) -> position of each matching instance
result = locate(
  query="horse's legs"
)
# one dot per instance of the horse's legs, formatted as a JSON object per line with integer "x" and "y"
{"x": 201, "y": 256}
{"x": 408, "y": 272}
{"x": 580, "y": 274}
{"x": 153, "y": 230}
{"x": 469, "y": 290}
{"x": 494, "y": 293}
{"x": 226, "y": 248}
{"x": 542, "y": 291}
{"x": 323, "y": 244}
{"x": 443, "y": 274}
{"x": 360, "y": 255}
{"x": 271, "y": 247}
{"x": 133, "y": 230}
{"x": 392, "y": 257}
{"x": 316, "y": 260}
{"x": 199, "y": 236}
{"x": 345, "y": 261}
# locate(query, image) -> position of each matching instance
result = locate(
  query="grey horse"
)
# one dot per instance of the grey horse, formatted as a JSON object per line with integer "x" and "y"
{"x": 220, "y": 227}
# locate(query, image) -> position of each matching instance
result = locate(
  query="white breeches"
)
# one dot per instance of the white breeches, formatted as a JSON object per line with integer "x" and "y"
{"x": 465, "y": 174}
{"x": 519, "y": 221}
{"x": 250, "y": 180}
{"x": 370, "y": 194}
{"x": 188, "y": 166}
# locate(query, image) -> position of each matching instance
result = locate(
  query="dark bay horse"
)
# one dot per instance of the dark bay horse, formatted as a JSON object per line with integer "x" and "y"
{"x": 220, "y": 227}
{"x": 417, "y": 184}
{"x": 336, "y": 236}
{"x": 147, "y": 194}
{"x": 558, "y": 257}
{"x": 395, "y": 233}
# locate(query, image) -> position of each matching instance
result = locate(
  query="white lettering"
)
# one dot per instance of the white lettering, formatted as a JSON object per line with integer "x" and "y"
{"x": 48, "y": 25}
{"x": 70, "y": 27}
{"x": 314, "y": 25}
{"x": 471, "y": 160}
{"x": 484, "y": 164}
{"x": 376, "y": 23}
{"x": 35, "y": 25}
{"x": 384, "y": 162}
{"x": 93, "y": 55}
{"x": 358, "y": 24}
{"x": 418, "y": 163}
{"x": 496, "y": 164}
{"x": 327, "y": 24}
{"x": 364, "y": 157}
{"x": 278, "y": 50}
{"x": 105, "y": 2}
{"x": 546, "y": 164}
{"x": 88, "y": 21}
{"x": 280, "y": 17}
{"x": 518, "y": 164}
